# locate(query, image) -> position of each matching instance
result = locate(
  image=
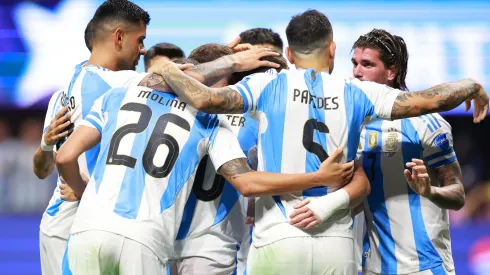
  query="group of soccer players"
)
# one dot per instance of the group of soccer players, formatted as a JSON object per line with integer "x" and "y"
{"x": 154, "y": 181}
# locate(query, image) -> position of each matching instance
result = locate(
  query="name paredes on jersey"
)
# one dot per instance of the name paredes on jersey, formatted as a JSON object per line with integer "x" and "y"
{"x": 163, "y": 101}
{"x": 326, "y": 103}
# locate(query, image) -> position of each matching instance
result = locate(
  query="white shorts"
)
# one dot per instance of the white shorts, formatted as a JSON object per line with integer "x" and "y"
{"x": 242, "y": 254}
{"x": 51, "y": 250}
{"x": 433, "y": 271}
{"x": 198, "y": 266}
{"x": 304, "y": 256}
{"x": 97, "y": 252}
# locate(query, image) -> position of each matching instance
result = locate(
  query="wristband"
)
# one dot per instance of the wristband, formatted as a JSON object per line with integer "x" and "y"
{"x": 324, "y": 207}
{"x": 45, "y": 147}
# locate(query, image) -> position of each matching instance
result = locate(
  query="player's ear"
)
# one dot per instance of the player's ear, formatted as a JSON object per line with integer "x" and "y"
{"x": 392, "y": 73}
{"x": 331, "y": 50}
{"x": 118, "y": 37}
{"x": 289, "y": 55}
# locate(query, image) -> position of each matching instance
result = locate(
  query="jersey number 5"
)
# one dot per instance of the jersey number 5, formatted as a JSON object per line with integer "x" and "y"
{"x": 157, "y": 138}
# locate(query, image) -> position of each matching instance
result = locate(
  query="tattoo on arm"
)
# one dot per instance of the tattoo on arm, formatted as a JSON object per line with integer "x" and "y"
{"x": 233, "y": 168}
{"x": 213, "y": 71}
{"x": 450, "y": 194}
{"x": 439, "y": 98}
{"x": 155, "y": 82}
{"x": 210, "y": 100}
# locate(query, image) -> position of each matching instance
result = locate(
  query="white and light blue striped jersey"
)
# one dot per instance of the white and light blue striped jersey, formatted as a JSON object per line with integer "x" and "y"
{"x": 213, "y": 224}
{"x": 150, "y": 149}
{"x": 86, "y": 85}
{"x": 407, "y": 233}
{"x": 303, "y": 116}
{"x": 58, "y": 217}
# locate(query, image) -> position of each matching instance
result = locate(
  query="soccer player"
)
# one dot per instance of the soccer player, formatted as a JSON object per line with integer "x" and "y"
{"x": 213, "y": 224}
{"x": 262, "y": 37}
{"x": 408, "y": 224}
{"x": 331, "y": 112}
{"x": 151, "y": 145}
{"x": 160, "y": 51}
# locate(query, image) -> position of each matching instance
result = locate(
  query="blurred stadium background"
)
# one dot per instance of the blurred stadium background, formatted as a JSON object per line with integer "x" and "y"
{"x": 41, "y": 41}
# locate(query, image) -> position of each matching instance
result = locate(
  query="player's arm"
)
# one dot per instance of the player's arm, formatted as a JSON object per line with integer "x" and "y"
{"x": 43, "y": 159}
{"x": 252, "y": 183}
{"x": 442, "y": 97}
{"x": 449, "y": 195}
{"x": 214, "y": 100}
{"x": 313, "y": 211}
{"x": 82, "y": 139}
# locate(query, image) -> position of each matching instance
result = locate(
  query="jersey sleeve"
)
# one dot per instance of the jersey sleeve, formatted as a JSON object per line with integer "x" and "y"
{"x": 380, "y": 98}
{"x": 126, "y": 78}
{"x": 437, "y": 141}
{"x": 251, "y": 87}
{"x": 53, "y": 108}
{"x": 95, "y": 118}
{"x": 224, "y": 147}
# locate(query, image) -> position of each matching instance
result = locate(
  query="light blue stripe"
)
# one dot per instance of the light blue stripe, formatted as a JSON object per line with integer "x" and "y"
{"x": 436, "y": 120}
{"x": 78, "y": 70}
{"x": 432, "y": 121}
{"x": 376, "y": 200}
{"x": 357, "y": 108}
{"x": 65, "y": 263}
{"x": 45, "y": 129}
{"x": 249, "y": 91}
{"x": 188, "y": 215}
{"x": 93, "y": 87}
{"x": 55, "y": 208}
{"x": 411, "y": 148}
{"x": 273, "y": 102}
{"x": 111, "y": 104}
{"x": 440, "y": 154}
{"x": 228, "y": 199}
{"x": 245, "y": 100}
{"x": 312, "y": 163}
{"x": 204, "y": 126}
{"x": 443, "y": 162}
{"x": 95, "y": 114}
{"x": 438, "y": 270}
{"x": 97, "y": 125}
{"x": 424, "y": 119}
{"x": 56, "y": 106}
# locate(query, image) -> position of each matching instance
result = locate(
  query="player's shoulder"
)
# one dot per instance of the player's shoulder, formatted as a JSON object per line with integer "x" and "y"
{"x": 430, "y": 124}
{"x": 207, "y": 121}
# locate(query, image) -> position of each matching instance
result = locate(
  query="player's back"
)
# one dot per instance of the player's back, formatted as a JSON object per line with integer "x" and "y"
{"x": 150, "y": 148}
{"x": 303, "y": 116}
{"x": 407, "y": 232}
{"x": 87, "y": 84}
{"x": 213, "y": 224}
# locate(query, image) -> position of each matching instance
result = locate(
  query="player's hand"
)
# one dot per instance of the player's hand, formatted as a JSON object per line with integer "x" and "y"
{"x": 419, "y": 179}
{"x": 58, "y": 127}
{"x": 237, "y": 47}
{"x": 302, "y": 216}
{"x": 251, "y": 59}
{"x": 336, "y": 174}
{"x": 67, "y": 192}
{"x": 480, "y": 100}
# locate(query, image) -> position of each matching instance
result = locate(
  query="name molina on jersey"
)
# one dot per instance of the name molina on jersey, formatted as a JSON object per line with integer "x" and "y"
{"x": 326, "y": 103}
{"x": 155, "y": 96}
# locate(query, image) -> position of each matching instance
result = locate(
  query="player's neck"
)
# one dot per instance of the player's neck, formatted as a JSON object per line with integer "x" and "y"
{"x": 102, "y": 59}
{"x": 317, "y": 64}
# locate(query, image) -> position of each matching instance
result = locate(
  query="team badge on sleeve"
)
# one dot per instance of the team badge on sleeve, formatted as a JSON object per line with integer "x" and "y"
{"x": 443, "y": 141}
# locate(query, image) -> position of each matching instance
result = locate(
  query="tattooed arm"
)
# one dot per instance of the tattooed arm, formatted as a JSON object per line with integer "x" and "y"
{"x": 251, "y": 183}
{"x": 442, "y": 97}
{"x": 450, "y": 194}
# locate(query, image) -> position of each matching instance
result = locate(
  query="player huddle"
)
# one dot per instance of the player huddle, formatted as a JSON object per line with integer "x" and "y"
{"x": 156, "y": 168}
